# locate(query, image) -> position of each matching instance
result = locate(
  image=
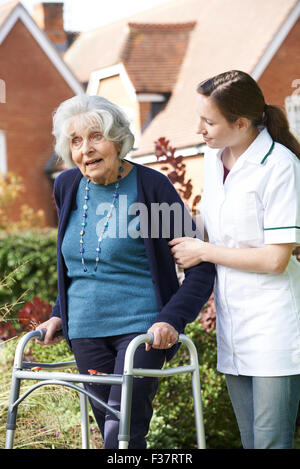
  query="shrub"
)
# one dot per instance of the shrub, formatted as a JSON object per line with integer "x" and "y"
{"x": 28, "y": 265}
{"x": 173, "y": 423}
{"x": 11, "y": 189}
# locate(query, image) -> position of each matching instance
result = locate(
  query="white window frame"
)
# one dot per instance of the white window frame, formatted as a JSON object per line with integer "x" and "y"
{"x": 3, "y": 155}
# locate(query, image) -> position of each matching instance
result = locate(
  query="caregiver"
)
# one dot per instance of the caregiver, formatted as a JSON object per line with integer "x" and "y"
{"x": 251, "y": 210}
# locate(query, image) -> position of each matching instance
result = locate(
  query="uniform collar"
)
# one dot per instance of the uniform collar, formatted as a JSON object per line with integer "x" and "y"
{"x": 259, "y": 150}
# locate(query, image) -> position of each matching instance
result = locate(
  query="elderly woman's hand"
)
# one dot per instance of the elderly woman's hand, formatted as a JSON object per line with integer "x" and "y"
{"x": 53, "y": 325}
{"x": 165, "y": 336}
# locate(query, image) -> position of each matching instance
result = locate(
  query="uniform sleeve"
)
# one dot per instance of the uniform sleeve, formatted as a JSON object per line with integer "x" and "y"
{"x": 282, "y": 204}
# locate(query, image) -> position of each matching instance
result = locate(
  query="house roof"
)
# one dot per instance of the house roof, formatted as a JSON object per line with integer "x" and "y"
{"x": 153, "y": 54}
{"x": 231, "y": 34}
{"x": 6, "y": 9}
{"x": 13, "y": 11}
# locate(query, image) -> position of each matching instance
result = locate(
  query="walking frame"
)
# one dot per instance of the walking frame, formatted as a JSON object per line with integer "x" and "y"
{"x": 22, "y": 370}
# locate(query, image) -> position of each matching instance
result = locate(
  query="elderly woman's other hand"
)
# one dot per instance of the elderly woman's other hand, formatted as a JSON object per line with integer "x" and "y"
{"x": 165, "y": 336}
{"x": 53, "y": 325}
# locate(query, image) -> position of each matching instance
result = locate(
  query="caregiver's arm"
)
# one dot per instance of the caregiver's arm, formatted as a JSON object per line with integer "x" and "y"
{"x": 271, "y": 258}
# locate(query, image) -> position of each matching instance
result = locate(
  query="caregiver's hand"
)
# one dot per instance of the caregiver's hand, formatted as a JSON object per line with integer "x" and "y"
{"x": 188, "y": 252}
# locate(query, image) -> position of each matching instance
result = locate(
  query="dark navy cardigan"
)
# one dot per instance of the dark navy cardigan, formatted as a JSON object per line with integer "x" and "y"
{"x": 177, "y": 305}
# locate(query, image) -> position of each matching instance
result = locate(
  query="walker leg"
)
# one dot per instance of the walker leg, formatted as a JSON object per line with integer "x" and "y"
{"x": 12, "y": 413}
{"x": 9, "y": 439}
{"x": 85, "y": 442}
{"x": 125, "y": 412}
{"x": 201, "y": 443}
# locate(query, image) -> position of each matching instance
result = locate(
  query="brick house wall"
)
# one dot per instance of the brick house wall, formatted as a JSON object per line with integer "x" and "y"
{"x": 34, "y": 88}
{"x": 276, "y": 80}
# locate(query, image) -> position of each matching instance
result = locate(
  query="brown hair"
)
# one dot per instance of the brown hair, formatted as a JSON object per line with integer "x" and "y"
{"x": 238, "y": 95}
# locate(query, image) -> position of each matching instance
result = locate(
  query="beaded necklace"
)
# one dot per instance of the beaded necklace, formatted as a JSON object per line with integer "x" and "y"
{"x": 84, "y": 222}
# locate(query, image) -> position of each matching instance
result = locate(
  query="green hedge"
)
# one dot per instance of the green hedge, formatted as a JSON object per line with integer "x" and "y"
{"x": 28, "y": 268}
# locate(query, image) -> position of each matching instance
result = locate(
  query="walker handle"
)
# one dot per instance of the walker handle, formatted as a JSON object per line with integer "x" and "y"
{"x": 43, "y": 332}
{"x": 151, "y": 338}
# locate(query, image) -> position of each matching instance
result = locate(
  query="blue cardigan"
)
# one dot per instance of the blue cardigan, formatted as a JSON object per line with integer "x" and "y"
{"x": 177, "y": 305}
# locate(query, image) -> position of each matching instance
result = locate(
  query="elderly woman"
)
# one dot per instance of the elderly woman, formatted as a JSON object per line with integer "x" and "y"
{"x": 115, "y": 280}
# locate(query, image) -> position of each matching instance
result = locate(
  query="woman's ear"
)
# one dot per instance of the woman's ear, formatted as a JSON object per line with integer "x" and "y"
{"x": 118, "y": 147}
{"x": 242, "y": 123}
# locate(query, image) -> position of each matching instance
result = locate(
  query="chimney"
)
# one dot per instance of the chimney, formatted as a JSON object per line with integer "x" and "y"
{"x": 49, "y": 17}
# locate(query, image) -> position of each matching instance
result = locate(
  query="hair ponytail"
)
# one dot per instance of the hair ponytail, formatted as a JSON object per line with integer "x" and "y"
{"x": 278, "y": 127}
{"x": 237, "y": 94}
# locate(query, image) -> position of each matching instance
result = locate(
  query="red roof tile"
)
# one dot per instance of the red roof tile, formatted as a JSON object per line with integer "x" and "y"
{"x": 153, "y": 54}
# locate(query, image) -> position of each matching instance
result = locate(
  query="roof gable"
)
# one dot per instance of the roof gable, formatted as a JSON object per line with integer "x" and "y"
{"x": 15, "y": 11}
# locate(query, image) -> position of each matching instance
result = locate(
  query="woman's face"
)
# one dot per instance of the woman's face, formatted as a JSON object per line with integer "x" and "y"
{"x": 95, "y": 156}
{"x": 217, "y": 132}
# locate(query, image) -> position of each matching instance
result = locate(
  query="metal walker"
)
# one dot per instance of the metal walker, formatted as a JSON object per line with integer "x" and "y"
{"x": 22, "y": 370}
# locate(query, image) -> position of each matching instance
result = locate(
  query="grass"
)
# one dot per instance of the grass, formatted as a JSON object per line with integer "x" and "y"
{"x": 49, "y": 418}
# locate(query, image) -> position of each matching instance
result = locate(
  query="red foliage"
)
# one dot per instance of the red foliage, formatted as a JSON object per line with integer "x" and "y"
{"x": 33, "y": 313}
{"x": 29, "y": 316}
{"x": 176, "y": 170}
{"x": 53, "y": 202}
{"x": 208, "y": 315}
{"x": 7, "y": 330}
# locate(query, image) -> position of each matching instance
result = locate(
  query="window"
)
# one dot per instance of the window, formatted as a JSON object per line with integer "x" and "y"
{"x": 3, "y": 160}
{"x": 292, "y": 106}
{"x": 155, "y": 104}
{"x": 2, "y": 91}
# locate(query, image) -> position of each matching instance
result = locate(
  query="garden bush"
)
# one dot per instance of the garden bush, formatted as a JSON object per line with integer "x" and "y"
{"x": 173, "y": 423}
{"x": 28, "y": 265}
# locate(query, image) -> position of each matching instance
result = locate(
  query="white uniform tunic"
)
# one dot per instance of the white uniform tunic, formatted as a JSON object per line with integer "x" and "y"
{"x": 258, "y": 314}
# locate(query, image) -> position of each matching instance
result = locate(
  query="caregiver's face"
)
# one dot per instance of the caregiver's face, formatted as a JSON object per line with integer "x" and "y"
{"x": 216, "y": 131}
{"x": 95, "y": 156}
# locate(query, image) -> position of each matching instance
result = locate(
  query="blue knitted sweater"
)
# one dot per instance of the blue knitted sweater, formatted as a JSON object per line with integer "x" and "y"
{"x": 119, "y": 298}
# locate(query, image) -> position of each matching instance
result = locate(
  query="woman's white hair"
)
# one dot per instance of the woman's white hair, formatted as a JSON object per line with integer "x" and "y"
{"x": 92, "y": 111}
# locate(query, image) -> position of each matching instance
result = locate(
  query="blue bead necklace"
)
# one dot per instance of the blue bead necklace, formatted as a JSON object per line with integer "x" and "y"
{"x": 84, "y": 222}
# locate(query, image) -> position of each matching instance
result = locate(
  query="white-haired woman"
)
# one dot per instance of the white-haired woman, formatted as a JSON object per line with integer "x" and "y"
{"x": 115, "y": 280}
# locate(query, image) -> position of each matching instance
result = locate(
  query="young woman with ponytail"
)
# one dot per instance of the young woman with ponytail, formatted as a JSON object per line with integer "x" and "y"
{"x": 251, "y": 210}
